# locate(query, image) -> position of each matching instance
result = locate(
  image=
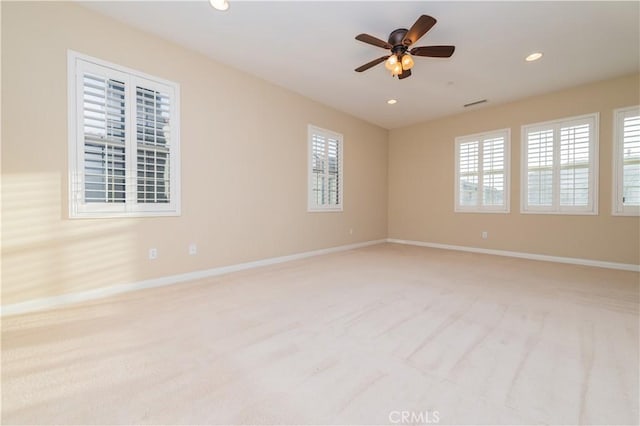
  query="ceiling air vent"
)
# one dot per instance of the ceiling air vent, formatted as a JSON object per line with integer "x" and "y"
{"x": 475, "y": 103}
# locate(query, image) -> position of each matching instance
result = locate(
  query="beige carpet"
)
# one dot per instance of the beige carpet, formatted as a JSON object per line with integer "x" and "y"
{"x": 387, "y": 334}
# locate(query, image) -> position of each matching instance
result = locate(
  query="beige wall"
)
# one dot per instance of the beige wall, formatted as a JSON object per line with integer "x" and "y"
{"x": 421, "y": 181}
{"x": 244, "y": 166}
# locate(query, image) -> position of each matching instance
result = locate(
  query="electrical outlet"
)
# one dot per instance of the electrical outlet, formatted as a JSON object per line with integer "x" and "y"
{"x": 193, "y": 249}
{"x": 485, "y": 235}
{"x": 153, "y": 253}
{"x": 350, "y": 231}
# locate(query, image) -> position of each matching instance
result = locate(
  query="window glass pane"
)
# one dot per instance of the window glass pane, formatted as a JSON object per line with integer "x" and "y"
{"x": 574, "y": 186}
{"x": 540, "y": 192}
{"x": 153, "y": 176}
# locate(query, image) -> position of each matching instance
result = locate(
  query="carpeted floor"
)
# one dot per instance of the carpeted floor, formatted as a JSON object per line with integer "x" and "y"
{"x": 387, "y": 334}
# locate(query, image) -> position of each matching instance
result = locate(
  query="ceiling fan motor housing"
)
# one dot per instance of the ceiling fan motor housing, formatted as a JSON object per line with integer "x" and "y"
{"x": 395, "y": 39}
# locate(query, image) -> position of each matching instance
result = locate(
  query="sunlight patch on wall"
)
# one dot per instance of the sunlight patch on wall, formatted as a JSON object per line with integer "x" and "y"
{"x": 45, "y": 254}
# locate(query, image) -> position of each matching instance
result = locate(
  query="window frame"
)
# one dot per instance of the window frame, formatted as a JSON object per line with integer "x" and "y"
{"x": 617, "y": 206}
{"x": 556, "y": 208}
{"x": 312, "y": 206}
{"x": 480, "y": 207}
{"x": 77, "y": 65}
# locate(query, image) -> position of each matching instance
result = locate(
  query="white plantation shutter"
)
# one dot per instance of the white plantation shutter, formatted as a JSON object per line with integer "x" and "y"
{"x": 123, "y": 141}
{"x": 469, "y": 179}
{"x": 325, "y": 170}
{"x": 561, "y": 164}
{"x": 153, "y": 138}
{"x": 482, "y": 172}
{"x": 103, "y": 118}
{"x": 627, "y": 161}
{"x": 333, "y": 171}
{"x": 631, "y": 161}
{"x": 319, "y": 169}
{"x": 540, "y": 168}
{"x": 574, "y": 165}
{"x": 493, "y": 171}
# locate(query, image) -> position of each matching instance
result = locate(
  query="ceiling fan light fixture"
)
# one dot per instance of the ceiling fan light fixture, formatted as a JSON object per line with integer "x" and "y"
{"x": 221, "y": 5}
{"x": 407, "y": 62}
{"x": 397, "y": 69}
{"x": 389, "y": 63}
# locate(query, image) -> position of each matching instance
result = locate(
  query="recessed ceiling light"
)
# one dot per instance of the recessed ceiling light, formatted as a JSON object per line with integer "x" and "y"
{"x": 391, "y": 101}
{"x": 219, "y": 4}
{"x": 533, "y": 57}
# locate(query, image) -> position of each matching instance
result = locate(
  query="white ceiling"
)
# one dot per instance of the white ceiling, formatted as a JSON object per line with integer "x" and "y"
{"x": 309, "y": 47}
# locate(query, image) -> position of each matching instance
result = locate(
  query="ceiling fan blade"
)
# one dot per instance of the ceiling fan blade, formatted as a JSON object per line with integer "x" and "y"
{"x": 366, "y": 38}
{"x": 419, "y": 28}
{"x": 433, "y": 51}
{"x": 405, "y": 74}
{"x": 372, "y": 63}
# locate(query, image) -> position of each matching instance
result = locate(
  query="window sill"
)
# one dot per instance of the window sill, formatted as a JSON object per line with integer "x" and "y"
{"x": 324, "y": 209}
{"x": 481, "y": 211}
{"x": 561, "y": 213}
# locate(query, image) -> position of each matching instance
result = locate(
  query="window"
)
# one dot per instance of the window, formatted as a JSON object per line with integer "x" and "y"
{"x": 325, "y": 170}
{"x": 482, "y": 172}
{"x": 123, "y": 141}
{"x": 560, "y": 166}
{"x": 626, "y": 161}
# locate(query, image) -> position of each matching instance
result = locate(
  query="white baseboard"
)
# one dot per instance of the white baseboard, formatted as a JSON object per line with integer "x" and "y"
{"x": 530, "y": 256}
{"x": 98, "y": 293}
{"x": 83, "y": 296}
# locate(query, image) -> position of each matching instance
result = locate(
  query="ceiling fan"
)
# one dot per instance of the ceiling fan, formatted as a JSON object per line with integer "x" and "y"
{"x": 400, "y": 61}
